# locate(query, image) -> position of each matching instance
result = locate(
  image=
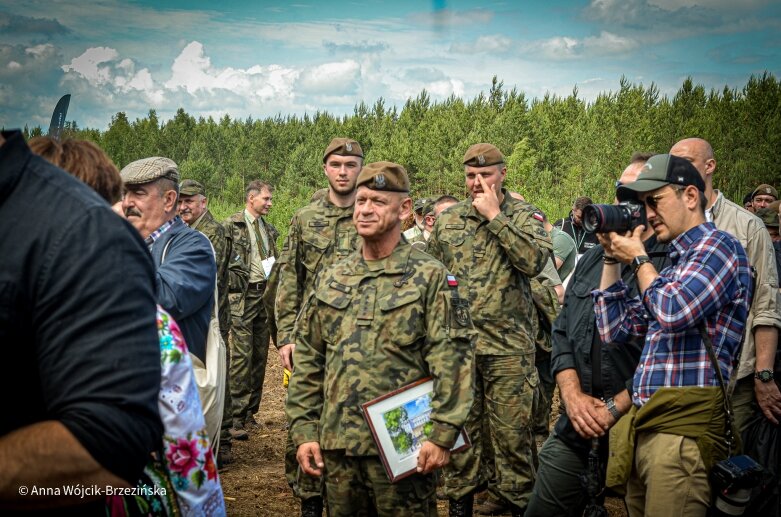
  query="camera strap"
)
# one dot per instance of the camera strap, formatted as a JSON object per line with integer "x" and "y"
{"x": 729, "y": 437}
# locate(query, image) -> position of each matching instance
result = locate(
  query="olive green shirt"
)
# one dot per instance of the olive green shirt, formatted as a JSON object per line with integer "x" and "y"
{"x": 370, "y": 328}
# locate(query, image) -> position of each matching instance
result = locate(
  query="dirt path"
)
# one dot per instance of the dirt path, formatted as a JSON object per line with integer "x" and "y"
{"x": 254, "y": 484}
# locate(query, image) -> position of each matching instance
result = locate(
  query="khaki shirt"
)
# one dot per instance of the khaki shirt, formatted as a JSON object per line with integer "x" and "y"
{"x": 751, "y": 232}
{"x": 320, "y": 234}
{"x": 493, "y": 262}
{"x": 370, "y": 328}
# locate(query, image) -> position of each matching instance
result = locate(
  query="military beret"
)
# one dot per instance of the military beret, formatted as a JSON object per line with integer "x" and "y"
{"x": 386, "y": 176}
{"x": 191, "y": 188}
{"x": 149, "y": 169}
{"x": 343, "y": 147}
{"x": 764, "y": 189}
{"x": 768, "y": 216}
{"x": 483, "y": 155}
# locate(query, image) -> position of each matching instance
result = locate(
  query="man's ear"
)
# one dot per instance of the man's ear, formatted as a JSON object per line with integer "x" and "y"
{"x": 170, "y": 200}
{"x": 406, "y": 208}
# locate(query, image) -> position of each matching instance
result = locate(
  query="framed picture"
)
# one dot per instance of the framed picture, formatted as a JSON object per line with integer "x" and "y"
{"x": 400, "y": 422}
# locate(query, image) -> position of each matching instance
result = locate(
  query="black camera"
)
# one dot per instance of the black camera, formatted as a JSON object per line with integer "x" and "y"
{"x": 732, "y": 481}
{"x": 621, "y": 218}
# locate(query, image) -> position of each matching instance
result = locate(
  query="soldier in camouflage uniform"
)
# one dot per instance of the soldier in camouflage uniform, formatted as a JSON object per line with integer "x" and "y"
{"x": 320, "y": 234}
{"x": 254, "y": 241}
{"x": 494, "y": 244}
{"x": 385, "y": 317}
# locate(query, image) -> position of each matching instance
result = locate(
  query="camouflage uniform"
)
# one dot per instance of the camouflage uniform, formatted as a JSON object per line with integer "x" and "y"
{"x": 494, "y": 261}
{"x": 320, "y": 234}
{"x": 366, "y": 330}
{"x": 221, "y": 241}
{"x": 250, "y": 328}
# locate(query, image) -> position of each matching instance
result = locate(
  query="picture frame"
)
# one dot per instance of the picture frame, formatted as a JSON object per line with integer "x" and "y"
{"x": 399, "y": 422}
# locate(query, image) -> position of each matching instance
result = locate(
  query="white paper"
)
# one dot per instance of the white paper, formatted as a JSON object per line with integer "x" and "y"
{"x": 267, "y": 265}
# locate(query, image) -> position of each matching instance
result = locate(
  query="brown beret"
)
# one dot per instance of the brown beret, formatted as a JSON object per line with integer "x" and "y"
{"x": 483, "y": 155}
{"x": 191, "y": 188}
{"x": 149, "y": 169}
{"x": 386, "y": 176}
{"x": 343, "y": 147}
{"x": 764, "y": 189}
{"x": 768, "y": 216}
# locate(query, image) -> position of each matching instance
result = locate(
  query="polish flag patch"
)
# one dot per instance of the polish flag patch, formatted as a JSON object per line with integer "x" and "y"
{"x": 537, "y": 216}
{"x": 451, "y": 281}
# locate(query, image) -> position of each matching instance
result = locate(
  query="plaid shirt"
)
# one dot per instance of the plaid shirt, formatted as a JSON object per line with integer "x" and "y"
{"x": 709, "y": 280}
{"x": 150, "y": 241}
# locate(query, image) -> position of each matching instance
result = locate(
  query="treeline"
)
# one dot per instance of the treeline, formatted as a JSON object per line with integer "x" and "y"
{"x": 557, "y": 148}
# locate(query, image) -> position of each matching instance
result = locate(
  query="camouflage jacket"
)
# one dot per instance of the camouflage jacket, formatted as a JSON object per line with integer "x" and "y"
{"x": 207, "y": 225}
{"x": 320, "y": 234}
{"x": 370, "y": 328}
{"x": 239, "y": 264}
{"x": 493, "y": 262}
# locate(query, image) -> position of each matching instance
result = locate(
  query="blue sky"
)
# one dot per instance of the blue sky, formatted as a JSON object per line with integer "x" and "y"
{"x": 262, "y": 58}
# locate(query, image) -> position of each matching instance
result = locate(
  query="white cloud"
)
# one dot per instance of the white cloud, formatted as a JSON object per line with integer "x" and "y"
{"x": 493, "y": 44}
{"x": 41, "y": 51}
{"x": 727, "y": 5}
{"x": 446, "y": 88}
{"x": 88, "y": 64}
{"x": 564, "y": 47}
{"x": 331, "y": 78}
{"x": 13, "y": 65}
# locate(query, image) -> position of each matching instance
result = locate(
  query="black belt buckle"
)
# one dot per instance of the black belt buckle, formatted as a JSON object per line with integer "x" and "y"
{"x": 256, "y": 286}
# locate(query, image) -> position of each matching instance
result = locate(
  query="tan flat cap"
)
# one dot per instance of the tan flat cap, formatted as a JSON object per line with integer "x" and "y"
{"x": 483, "y": 155}
{"x": 386, "y": 176}
{"x": 149, "y": 169}
{"x": 191, "y": 188}
{"x": 343, "y": 147}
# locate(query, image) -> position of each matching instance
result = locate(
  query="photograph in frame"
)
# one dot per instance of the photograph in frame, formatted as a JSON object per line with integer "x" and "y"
{"x": 400, "y": 423}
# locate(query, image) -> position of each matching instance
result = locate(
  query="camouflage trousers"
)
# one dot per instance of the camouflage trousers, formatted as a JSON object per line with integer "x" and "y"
{"x": 544, "y": 399}
{"x": 499, "y": 425}
{"x": 249, "y": 352}
{"x": 358, "y": 486}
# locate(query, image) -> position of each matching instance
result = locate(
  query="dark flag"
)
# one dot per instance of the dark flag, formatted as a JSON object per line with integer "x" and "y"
{"x": 58, "y": 117}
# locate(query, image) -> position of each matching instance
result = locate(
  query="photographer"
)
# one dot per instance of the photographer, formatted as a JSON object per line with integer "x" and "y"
{"x": 677, "y": 420}
{"x": 590, "y": 373}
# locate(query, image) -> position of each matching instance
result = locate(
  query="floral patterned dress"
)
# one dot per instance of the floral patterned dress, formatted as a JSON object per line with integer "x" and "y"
{"x": 182, "y": 478}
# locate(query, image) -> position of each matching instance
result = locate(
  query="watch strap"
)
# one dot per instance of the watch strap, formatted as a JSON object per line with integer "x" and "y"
{"x": 765, "y": 375}
{"x": 639, "y": 261}
{"x": 611, "y": 407}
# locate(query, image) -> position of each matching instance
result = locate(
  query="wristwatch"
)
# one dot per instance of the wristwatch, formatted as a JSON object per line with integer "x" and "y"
{"x": 611, "y": 407}
{"x": 639, "y": 261}
{"x": 764, "y": 375}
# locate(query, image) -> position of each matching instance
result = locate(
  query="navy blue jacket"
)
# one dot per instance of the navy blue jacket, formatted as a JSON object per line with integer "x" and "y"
{"x": 185, "y": 282}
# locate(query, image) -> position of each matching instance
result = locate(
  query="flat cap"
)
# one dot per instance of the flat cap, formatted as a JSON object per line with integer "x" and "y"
{"x": 766, "y": 190}
{"x": 386, "y": 176}
{"x": 483, "y": 155}
{"x": 343, "y": 147}
{"x": 768, "y": 216}
{"x": 149, "y": 169}
{"x": 191, "y": 188}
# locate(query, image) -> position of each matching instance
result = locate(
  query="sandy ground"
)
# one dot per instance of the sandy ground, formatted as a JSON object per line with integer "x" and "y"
{"x": 254, "y": 484}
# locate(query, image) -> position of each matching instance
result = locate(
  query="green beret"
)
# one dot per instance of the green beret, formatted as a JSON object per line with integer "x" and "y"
{"x": 483, "y": 155}
{"x": 191, "y": 188}
{"x": 764, "y": 189}
{"x": 149, "y": 169}
{"x": 343, "y": 147}
{"x": 386, "y": 176}
{"x": 768, "y": 216}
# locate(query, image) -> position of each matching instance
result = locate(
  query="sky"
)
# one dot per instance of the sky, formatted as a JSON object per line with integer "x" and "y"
{"x": 262, "y": 58}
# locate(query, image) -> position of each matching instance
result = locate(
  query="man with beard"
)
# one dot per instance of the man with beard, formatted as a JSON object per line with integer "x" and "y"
{"x": 320, "y": 234}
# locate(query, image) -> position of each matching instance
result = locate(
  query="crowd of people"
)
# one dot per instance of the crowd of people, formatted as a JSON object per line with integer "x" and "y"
{"x": 121, "y": 296}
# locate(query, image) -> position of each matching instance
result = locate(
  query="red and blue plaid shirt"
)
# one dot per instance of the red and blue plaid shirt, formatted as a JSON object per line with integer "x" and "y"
{"x": 709, "y": 280}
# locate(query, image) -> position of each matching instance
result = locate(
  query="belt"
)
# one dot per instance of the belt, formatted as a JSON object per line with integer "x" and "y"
{"x": 256, "y": 286}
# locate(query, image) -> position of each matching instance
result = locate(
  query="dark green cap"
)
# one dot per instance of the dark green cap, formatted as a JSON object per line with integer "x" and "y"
{"x": 661, "y": 170}
{"x": 768, "y": 216}
{"x": 191, "y": 188}
{"x": 483, "y": 155}
{"x": 386, "y": 176}
{"x": 343, "y": 147}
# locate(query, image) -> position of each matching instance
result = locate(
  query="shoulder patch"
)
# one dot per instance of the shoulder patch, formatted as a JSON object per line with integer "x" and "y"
{"x": 451, "y": 281}
{"x": 538, "y": 216}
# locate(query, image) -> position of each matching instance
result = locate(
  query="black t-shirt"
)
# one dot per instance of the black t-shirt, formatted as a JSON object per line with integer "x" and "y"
{"x": 584, "y": 240}
{"x": 77, "y": 315}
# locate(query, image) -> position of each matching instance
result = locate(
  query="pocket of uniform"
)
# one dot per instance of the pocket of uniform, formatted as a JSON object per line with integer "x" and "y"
{"x": 315, "y": 245}
{"x": 402, "y": 318}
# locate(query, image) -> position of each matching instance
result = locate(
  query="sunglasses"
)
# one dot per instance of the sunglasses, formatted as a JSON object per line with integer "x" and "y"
{"x": 653, "y": 201}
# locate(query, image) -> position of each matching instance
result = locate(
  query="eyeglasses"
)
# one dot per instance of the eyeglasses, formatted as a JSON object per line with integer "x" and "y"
{"x": 653, "y": 201}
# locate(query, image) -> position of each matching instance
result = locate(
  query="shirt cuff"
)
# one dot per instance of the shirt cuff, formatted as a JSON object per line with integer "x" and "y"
{"x": 305, "y": 432}
{"x": 616, "y": 291}
{"x": 497, "y": 223}
{"x": 444, "y": 435}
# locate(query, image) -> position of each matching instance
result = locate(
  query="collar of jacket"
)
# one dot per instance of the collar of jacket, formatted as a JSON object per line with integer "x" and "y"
{"x": 331, "y": 210}
{"x": 394, "y": 264}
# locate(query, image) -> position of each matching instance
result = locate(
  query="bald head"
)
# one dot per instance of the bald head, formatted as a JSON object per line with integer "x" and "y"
{"x": 700, "y": 153}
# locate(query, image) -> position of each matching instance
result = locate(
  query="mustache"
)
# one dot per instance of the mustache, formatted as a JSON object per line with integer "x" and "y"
{"x": 132, "y": 211}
